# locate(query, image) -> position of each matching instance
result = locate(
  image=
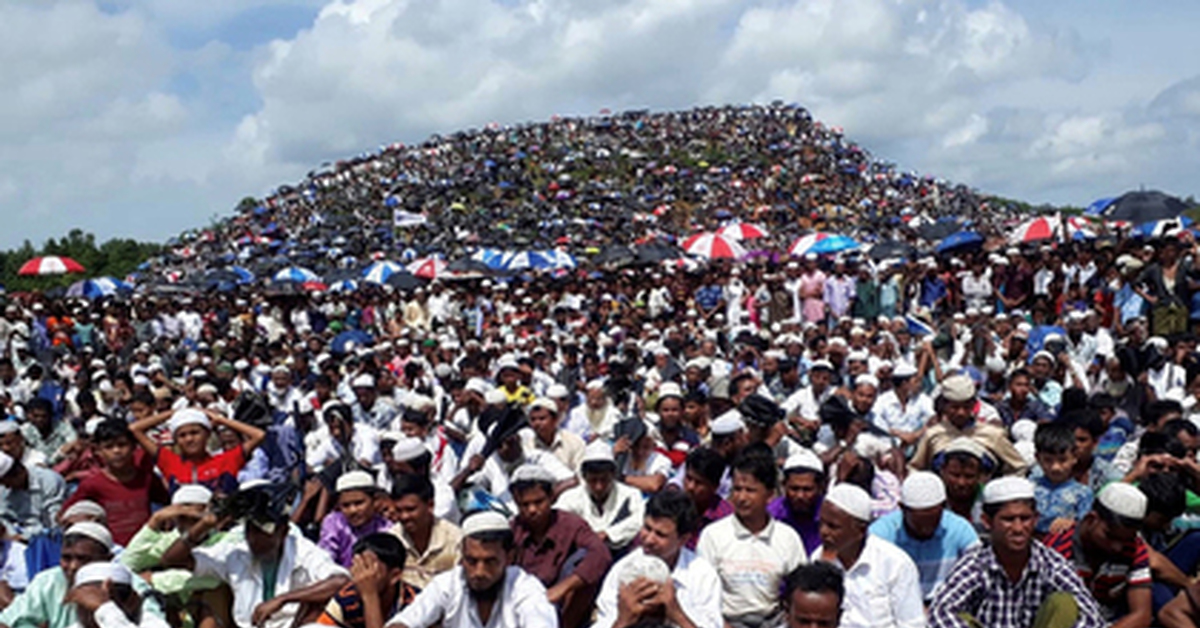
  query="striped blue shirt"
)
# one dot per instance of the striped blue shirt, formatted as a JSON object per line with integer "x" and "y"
{"x": 935, "y": 556}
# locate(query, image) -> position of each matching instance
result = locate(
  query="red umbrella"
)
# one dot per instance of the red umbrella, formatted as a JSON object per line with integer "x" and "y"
{"x": 50, "y": 265}
{"x": 742, "y": 231}
{"x": 428, "y": 268}
{"x": 712, "y": 246}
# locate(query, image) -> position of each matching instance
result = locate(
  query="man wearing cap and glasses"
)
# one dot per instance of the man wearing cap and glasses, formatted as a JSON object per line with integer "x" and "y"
{"x": 1017, "y": 582}
{"x": 882, "y": 583}
{"x": 485, "y": 589}
{"x": 42, "y": 602}
{"x": 932, "y": 537}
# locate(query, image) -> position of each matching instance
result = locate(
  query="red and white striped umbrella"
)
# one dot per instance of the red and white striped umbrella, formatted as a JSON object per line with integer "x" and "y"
{"x": 428, "y": 268}
{"x": 50, "y": 265}
{"x": 1037, "y": 229}
{"x": 742, "y": 231}
{"x": 713, "y": 246}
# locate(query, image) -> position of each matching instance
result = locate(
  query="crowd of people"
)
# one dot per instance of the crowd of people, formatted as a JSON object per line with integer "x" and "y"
{"x": 996, "y": 435}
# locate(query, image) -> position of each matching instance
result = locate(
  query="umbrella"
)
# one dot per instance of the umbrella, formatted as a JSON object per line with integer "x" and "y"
{"x": 1098, "y": 206}
{"x": 892, "y": 249}
{"x": 822, "y": 243}
{"x": 50, "y": 265}
{"x": 655, "y": 252}
{"x": 742, "y": 231}
{"x": 348, "y": 341}
{"x": 428, "y": 267}
{"x": 1037, "y": 229}
{"x": 345, "y": 285}
{"x": 295, "y": 274}
{"x": 615, "y": 255}
{"x": 467, "y": 265}
{"x": 379, "y": 272}
{"x": 561, "y": 258}
{"x": 1162, "y": 228}
{"x": 960, "y": 240}
{"x": 98, "y": 288}
{"x": 713, "y": 246}
{"x": 492, "y": 258}
{"x": 1139, "y": 207}
{"x": 403, "y": 280}
{"x": 937, "y": 230}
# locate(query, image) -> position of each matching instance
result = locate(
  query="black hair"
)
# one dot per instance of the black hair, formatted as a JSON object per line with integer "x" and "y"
{"x": 707, "y": 464}
{"x": 503, "y": 537}
{"x": 815, "y": 577}
{"x": 110, "y": 430}
{"x": 416, "y": 417}
{"x": 143, "y": 397}
{"x": 520, "y": 486}
{"x": 992, "y": 509}
{"x": 386, "y": 546}
{"x": 1054, "y": 438}
{"x": 762, "y": 468}
{"x": 1160, "y": 443}
{"x": 38, "y": 403}
{"x": 409, "y": 484}
{"x": 738, "y": 379}
{"x": 675, "y": 505}
{"x": 1156, "y": 410}
{"x": 598, "y": 466}
{"x": 1165, "y": 493}
{"x": 1175, "y": 426}
{"x": 1086, "y": 419}
{"x": 1021, "y": 372}
{"x": 1072, "y": 399}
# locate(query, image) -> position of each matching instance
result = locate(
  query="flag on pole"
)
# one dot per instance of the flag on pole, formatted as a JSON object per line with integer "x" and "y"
{"x": 401, "y": 218}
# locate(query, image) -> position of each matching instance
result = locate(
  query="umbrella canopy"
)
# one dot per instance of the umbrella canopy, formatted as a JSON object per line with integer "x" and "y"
{"x": 1139, "y": 207}
{"x": 742, "y": 231}
{"x": 492, "y": 258}
{"x": 428, "y": 267}
{"x": 348, "y": 341}
{"x": 959, "y": 241}
{"x": 892, "y": 249}
{"x": 822, "y": 243}
{"x": 713, "y": 246}
{"x": 615, "y": 255}
{"x": 345, "y": 285}
{"x": 403, "y": 280}
{"x": 1036, "y": 230}
{"x": 379, "y": 272}
{"x": 295, "y": 274}
{"x": 98, "y": 288}
{"x": 528, "y": 260}
{"x": 657, "y": 251}
{"x": 1162, "y": 228}
{"x": 50, "y": 265}
{"x": 937, "y": 230}
{"x": 467, "y": 265}
{"x": 1098, "y": 206}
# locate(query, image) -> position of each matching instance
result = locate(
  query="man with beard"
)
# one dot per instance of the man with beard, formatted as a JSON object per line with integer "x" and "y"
{"x": 803, "y": 491}
{"x": 956, "y": 409}
{"x": 484, "y": 584}
{"x": 1017, "y": 582}
{"x": 103, "y": 597}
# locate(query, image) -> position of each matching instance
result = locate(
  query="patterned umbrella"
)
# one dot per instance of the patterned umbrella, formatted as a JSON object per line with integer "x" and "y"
{"x": 742, "y": 231}
{"x": 428, "y": 268}
{"x": 295, "y": 274}
{"x": 821, "y": 243}
{"x": 379, "y": 272}
{"x": 50, "y": 265}
{"x": 98, "y": 288}
{"x": 713, "y": 246}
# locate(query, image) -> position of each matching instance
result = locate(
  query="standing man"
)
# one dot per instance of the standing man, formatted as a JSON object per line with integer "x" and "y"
{"x": 932, "y": 537}
{"x": 1017, "y": 582}
{"x": 485, "y": 590}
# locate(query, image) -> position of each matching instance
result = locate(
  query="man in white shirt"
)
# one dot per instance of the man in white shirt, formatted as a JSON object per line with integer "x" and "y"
{"x": 751, "y": 551}
{"x": 613, "y": 509}
{"x": 904, "y": 410}
{"x": 662, "y": 576}
{"x": 485, "y": 589}
{"x": 883, "y": 587}
{"x": 803, "y": 406}
{"x": 103, "y": 596}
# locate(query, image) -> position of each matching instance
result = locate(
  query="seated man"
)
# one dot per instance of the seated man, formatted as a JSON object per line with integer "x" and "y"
{"x": 813, "y": 595}
{"x": 146, "y": 548}
{"x": 103, "y": 596}
{"x": 931, "y": 536}
{"x": 274, "y": 572}
{"x": 614, "y": 510}
{"x": 803, "y": 491}
{"x": 1110, "y": 556}
{"x": 377, "y": 590}
{"x": 1174, "y": 551}
{"x": 486, "y": 589}
{"x": 883, "y": 587}
{"x": 1017, "y": 582}
{"x": 41, "y": 605}
{"x": 686, "y": 591}
{"x": 556, "y": 547}
{"x": 14, "y": 573}
{"x": 751, "y": 551}
{"x": 30, "y": 498}
{"x": 964, "y": 467}
{"x": 431, "y": 543}
{"x": 957, "y": 418}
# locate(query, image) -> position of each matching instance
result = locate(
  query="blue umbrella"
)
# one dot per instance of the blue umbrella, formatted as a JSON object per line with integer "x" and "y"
{"x": 98, "y": 288}
{"x": 244, "y": 274}
{"x": 295, "y": 274}
{"x": 494, "y": 258}
{"x": 833, "y": 244}
{"x": 379, "y": 272}
{"x": 533, "y": 260}
{"x": 391, "y": 201}
{"x": 1160, "y": 228}
{"x": 347, "y": 341}
{"x": 1098, "y": 206}
{"x": 345, "y": 285}
{"x": 960, "y": 240}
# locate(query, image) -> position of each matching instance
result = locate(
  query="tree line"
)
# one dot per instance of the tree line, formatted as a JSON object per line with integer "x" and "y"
{"x": 117, "y": 257}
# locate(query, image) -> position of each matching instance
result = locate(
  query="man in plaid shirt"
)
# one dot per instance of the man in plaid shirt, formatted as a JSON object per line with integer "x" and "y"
{"x": 1017, "y": 582}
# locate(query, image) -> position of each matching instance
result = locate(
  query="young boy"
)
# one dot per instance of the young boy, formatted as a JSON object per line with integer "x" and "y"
{"x": 1061, "y": 500}
{"x": 1090, "y": 470}
{"x": 125, "y": 486}
{"x": 378, "y": 590}
{"x": 356, "y": 517}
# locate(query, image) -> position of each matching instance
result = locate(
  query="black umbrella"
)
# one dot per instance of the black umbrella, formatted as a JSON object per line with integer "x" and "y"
{"x": 892, "y": 249}
{"x": 657, "y": 252}
{"x": 1139, "y": 207}
{"x": 468, "y": 265}
{"x": 404, "y": 280}
{"x": 615, "y": 255}
{"x": 937, "y": 230}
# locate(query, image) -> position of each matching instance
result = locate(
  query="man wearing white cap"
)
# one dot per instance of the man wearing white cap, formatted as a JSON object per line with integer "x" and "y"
{"x": 145, "y": 550}
{"x": 1017, "y": 582}
{"x": 804, "y": 483}
{"x": 42, "y": 602}
{"x": 545, "y": 435}
{"x": 485, "y": 589}
{"x": 883, "y": 587}
{"x": 1110, "y": 556}
{"x": 368, "y": 407}
{"x": 30, "y": 497}
{"x": 904, "y": 410}
{"x": 956, "y": 407}
{"x": 612, "y": 508}
{"x": 103, "y": 596}
{"x": 596, "y": 417}
{"x": 804, "y": 406}
{"x": 932, "y": 537}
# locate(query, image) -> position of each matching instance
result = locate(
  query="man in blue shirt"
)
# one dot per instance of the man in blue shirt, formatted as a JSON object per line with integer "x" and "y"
{"x": 933, "y": 537}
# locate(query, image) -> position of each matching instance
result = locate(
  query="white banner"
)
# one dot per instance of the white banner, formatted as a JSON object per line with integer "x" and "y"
{"x": 401, "y": 218}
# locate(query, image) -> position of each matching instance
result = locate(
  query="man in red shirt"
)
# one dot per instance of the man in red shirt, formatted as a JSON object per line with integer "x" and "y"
{"x": 191, "y": 429}
{"x": 125, "y": 486}
{"x": 1110, "y": 556}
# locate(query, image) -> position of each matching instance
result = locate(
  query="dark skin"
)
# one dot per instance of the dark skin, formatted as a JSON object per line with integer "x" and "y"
{"x": 192, "y": 439}
{"x": 813, "y": 609}
{"x": 377, "y": 584}
{"x": 1012, "y": 536}
{"x": 1102, "y": 539}
{"x": 962, "y": 482}
{"x": 802, "y": 491}
{"x": 659, "y": 537}
{"x": 535, "y": 510}
{"x": 842, "y": 536}
{"x": 416, "y": 517}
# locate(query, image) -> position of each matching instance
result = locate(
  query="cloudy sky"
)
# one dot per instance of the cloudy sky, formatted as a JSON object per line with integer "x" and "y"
{"x": 145, "y": 117}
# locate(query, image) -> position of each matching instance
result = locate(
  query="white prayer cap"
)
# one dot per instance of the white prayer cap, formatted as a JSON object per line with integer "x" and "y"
{"x": 188, "y": 416}
{"x": 408, "y": 449}
{"x": 93, "y": 531}
{"x": 365, "y": 380}
{"x": 858, "y": 356}
{"x": 99, "y": 573}
{"x": 557, "y": 391}
{"x": 89, "y": 428}
{"x": 598, "y": 451}
{"x": 545, "y": 404}
{"x": 852, "y": 499}
{"x": 280, "y": 369}
{"x": 495, "y": 397}
{"x": 866, "y": 380}
{"x": 821, "y": 365}
{"x": 995, "y": 364}
{"x": 9, "y": 426}
{"x": 419, "y": 402}
{"x": 485, "y": 521}
{"x": 595, "y": 384}
{"x": 530, "y": 472}
{"x": 958, "y": 388}
{"x": 642, "y": 565}
{"x": 1007, "y": 489}
{"x": 355, "y": 481}
{"x": 1044, "y": 355}
{"x": 1024, "y": 430}
{"x": 669, "y": 389}
{"x": 803, "y": 460}
{"x": 85, "y": 508}
{"x": 191, "y": 494}
{"x": 903, "y": 370}
{"x": 729, "y": 423}
{"x": 478, "y": 385}
{"x": 1124, "y": 500}
{"x": 922, "y": 489}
